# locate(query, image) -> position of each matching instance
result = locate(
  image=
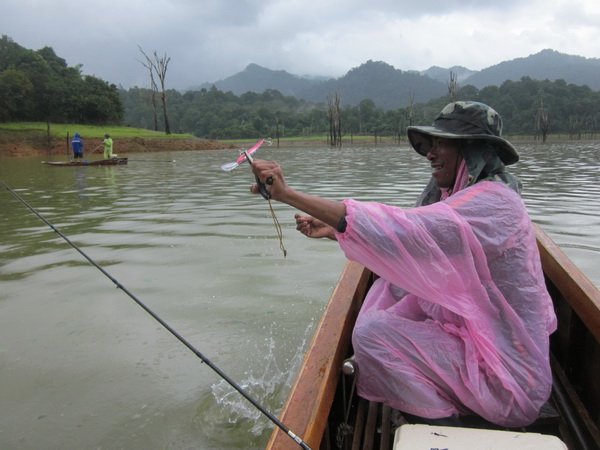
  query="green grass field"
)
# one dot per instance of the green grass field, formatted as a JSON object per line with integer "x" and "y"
{"x": 88, "y": 131}
{"x": 59, "y": 131}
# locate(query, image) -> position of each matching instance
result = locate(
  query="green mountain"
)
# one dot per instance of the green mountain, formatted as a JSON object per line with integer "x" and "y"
{"x": 255, "y": 78}
{"x": 392, "y": 88}
{"x": 388, "y": 87}
{"x": 545, "y": 65}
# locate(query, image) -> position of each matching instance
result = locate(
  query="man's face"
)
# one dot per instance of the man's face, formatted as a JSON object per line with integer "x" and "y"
{"x": 445, "y": 158}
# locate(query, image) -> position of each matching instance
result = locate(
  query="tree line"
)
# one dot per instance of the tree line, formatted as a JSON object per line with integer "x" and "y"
{"x": 528, "y": 107}
{"x": 37, "y": 85}
{"x": 40, "y": 86}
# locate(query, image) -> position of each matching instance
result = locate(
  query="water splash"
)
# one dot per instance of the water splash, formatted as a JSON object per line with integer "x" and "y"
{"x": 268, "y": 381}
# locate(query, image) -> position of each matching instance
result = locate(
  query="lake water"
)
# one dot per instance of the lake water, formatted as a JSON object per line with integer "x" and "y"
{"x": 83, "y": 366}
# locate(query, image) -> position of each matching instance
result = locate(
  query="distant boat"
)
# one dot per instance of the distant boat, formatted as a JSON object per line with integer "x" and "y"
{"x": 102, "y": 162}
{"x": 324, "y": 410}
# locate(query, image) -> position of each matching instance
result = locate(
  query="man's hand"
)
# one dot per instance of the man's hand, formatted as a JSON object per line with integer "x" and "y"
{"x": 314, "y": 228}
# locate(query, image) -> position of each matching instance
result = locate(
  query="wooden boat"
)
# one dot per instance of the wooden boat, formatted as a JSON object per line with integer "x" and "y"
{"x": 315, "y": 411}
{"x": 101, "y": 162}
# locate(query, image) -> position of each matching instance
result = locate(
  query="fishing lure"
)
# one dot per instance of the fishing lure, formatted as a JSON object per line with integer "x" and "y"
{"x": 243, "y": 157}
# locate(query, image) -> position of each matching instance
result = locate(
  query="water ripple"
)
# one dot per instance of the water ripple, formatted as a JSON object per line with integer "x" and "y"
{"x": 194, "y": 245}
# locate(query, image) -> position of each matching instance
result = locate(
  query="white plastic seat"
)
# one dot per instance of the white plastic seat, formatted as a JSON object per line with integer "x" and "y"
{"x": 427, "y": 437}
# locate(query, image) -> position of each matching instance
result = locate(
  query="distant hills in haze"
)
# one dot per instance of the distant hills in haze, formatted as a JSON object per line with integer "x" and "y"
{"x": 442, "y": 74}
{"x": 392, "y": 88}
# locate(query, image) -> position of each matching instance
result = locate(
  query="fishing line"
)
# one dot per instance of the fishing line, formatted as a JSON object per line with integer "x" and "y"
{"x": 181, "y": 339}
{"x": 277, "y": 228}
{"x": 247, "y": 156}
{"x": 267, "y": 196}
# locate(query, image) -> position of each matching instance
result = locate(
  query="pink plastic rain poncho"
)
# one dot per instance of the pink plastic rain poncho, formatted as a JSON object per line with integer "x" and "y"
{"x": 459, "y": 321}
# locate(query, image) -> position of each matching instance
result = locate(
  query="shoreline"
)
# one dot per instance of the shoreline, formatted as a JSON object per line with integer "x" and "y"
{"x": 60, "y": 147}
{"x": 11, "y": 147}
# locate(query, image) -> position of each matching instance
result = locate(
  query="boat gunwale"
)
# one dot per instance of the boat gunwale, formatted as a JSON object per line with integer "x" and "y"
{"x": 101, "y": 162}
{"x": 307, "y": 408}
{"x": 574, "y": 285}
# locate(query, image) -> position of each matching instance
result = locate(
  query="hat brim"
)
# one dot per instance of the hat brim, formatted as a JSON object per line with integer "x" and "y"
{"x": 420, "y": 140}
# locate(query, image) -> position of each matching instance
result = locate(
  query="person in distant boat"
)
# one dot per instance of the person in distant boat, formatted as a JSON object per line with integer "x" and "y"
{"x": 108, "y": 146}
{"x": 458, "y": 321}
{"x": 77, "y": 144}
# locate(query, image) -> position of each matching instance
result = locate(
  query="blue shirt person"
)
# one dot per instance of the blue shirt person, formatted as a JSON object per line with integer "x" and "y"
{"x": 77, "y": 144}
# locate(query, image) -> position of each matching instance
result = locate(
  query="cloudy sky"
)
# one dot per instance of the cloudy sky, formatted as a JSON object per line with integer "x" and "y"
{"x": 208, "y": 40}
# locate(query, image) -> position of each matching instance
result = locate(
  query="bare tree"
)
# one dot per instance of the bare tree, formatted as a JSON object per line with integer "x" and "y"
{"x": 453, "y": 87}
{"x": 148, "y": 65}
{"x": 542, "y": 121}
{"x": 335, "y": 120}
{"x": 158, "y": 65}
{"x": 409, "y": 108}
{"x": 574, "y": 126}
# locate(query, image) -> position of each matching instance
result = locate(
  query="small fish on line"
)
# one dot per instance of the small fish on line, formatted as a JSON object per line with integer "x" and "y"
{"x": 232, "y": 165}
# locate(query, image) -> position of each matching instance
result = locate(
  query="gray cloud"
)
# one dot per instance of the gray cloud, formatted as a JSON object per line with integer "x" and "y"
{"x": 211, "y": 39}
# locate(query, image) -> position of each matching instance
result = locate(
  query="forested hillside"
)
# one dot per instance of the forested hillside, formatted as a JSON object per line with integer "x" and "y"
{"x": 545, "y": 65}
{"x": 569, "y": 109}
{"x": 39, "y": 86}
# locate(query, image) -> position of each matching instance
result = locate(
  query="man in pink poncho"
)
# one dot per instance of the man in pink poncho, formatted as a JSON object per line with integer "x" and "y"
{"x": 459, "y": 321}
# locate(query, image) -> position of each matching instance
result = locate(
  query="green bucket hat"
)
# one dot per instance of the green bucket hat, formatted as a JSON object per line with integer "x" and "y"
{"x": 465, "y": 120}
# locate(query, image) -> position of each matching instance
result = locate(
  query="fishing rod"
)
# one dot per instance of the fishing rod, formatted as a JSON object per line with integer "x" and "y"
{"x": 90, "y": 152}
{"x": 181, "y": 339}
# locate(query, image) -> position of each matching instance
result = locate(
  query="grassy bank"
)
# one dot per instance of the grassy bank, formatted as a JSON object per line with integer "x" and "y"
{"x": 59, "y": 131}
{"x": 39, "y": 131}
{"x": 36, "y": 139}
{"x": 20, "y": 138}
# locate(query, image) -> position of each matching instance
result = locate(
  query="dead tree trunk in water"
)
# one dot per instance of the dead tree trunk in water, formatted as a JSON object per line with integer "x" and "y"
{"x": 161, "y": 70}
{"x": 48, "y": 136}
{"x": 453, "y": 87}
{"x": 411, "y": 102}
{"x": 542, "y": 122}
{"x": 335, "y": 120}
